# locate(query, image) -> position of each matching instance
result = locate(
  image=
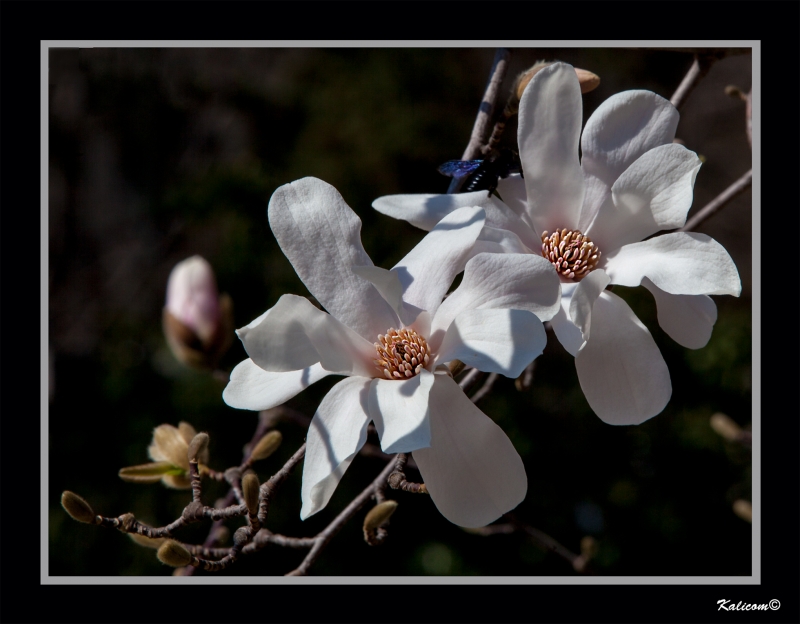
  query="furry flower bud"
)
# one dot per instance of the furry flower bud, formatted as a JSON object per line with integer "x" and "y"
{"x": 267, "y": 445}
{"x": 77, "y": 507}
{"x": 174, "y": 554}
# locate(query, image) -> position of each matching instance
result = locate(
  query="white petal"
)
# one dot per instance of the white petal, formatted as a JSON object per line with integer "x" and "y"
{"x": 494, "y": 341}
{"x": 583, "y": 298}
{"x": 294, "y": 334}
{"x": 428, "y": 270}
{"x": 390, "y": 288}
{"x": 653, "y": 194}
{"x": 620, "y": 369}
{"x": 472, "y": 470}
{"x": 513, "y": 193}
{"x": 681, "y": 263}
{"x": 550, "y": 117}
{"x": 425, "y": 211}
{"x": 321, "y": 237}
{"x": 253, "y": 388}
{"x": 567, "y": 333}
{"x": 336, "y": 433}
{"x": 400, "y": 411}
{"x": 516, "y": 281}
{"x": 494, "y": 240}
{"x": 687, "y": 319}
{"x": 622, "y": 128}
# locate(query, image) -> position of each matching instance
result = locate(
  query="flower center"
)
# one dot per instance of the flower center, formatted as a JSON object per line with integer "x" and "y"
{"x": 573, "y": 254}
{"x": 401, "y": 354}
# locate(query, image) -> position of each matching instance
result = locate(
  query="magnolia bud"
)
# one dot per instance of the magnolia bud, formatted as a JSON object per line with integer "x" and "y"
{"x": 250, "y": 487}
{"x": 174, "y": 554}
{"x": 725, "y": 427}
{"x": 77, "y": 508}
{"x": 266, "y": 446}
{"x": 587, "y": 80}
{"x": 197, "y": 446}
{"x": 379, "y": 514}
{"x": 147, "y": 542}
{"x": 198, "y": 322}
{"x": 743, "y": 509}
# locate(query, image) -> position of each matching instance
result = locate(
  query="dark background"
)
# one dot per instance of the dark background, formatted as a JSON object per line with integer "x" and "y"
{"x": 159, "y": 154}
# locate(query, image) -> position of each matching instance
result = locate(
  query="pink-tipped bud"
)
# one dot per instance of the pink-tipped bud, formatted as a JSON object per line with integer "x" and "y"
{"x": 192, "y": 296}
{"x": 198, "y": 322}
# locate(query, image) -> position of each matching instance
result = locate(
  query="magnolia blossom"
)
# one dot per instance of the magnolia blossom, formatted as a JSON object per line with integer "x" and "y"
{"x": 389, "y": 333}
{"x": 587, "y": 216}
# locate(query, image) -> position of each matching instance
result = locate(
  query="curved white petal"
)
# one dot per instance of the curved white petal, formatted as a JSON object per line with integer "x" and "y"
{"x": 494, "y": 341}
{"x": 426, "y": 210}
{"x": 513, "y": 193}
{"x": 390, "y": 288}
{"x": 681, "y": 263}
{"x": 253, "y": 388}
{"x": 621, "y": 130}
{"x": 294, "y": 334}
{"x": 567, "y": 333}
{"x": 687, "y": 319}
{"x": 321, "y": 237}
{"x": 495, "y": 240}
{"x": 400, "y": 412}
{"x": 653, "y": 194}
{"x": 583, "y": 298}
{"x": 471, "y": 470}
{"x": 550, "y": 117}
{"x": 428, "y": 270}
{"x": 336, "y": 433}
{"x": 620, "y": 369}
{"x": 516, "y": 281}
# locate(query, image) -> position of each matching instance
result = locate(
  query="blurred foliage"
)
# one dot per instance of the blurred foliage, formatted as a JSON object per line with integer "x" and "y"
{"x": 158, "y": 154}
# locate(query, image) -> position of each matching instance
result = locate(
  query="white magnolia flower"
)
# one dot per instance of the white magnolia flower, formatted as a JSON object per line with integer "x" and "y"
{"x": 588, "y": 216}
{"x": 387, "y": 332}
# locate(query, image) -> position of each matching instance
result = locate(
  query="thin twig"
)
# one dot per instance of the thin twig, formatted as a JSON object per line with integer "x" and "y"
{"x": 469, "y": 379}
{"x": 322, "y": 539}
{"x": 543, "y": 540}
{"x": 524, "y": 381}
{"x": 719, "y": 201}
{"x": 485, "y": 112}
{"x": 485, "y": 388}
{"x": 700, "y": 66}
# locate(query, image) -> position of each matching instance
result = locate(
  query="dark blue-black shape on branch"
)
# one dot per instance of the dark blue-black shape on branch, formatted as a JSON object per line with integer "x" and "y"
{"x": 483, "y": 174}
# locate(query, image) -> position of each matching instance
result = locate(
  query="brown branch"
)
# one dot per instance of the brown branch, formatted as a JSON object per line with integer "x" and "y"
{"x": 322, "y": 539}
{"x": 578, "y": 562}
{"x": 485, "y": 388}
{"x": 719, "y": 201}
{"x": 469, "y": 379}
{"x": 485, "y": 112}
{"x": 524, "y": 381}
{"x": 700, "y": 66}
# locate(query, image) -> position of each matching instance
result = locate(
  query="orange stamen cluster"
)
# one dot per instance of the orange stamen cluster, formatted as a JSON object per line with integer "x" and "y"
{"x": 573, "y": 254}
{"x": 401, "y": 354}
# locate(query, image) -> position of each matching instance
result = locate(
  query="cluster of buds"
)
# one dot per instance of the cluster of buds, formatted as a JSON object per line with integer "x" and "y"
{"x": 198, "y": 321}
